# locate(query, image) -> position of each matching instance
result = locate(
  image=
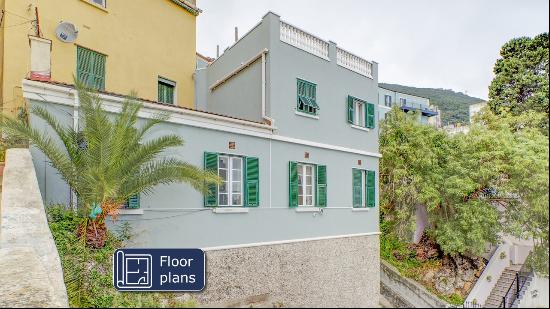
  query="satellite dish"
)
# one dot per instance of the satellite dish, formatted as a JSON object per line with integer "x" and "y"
{"x": 66, "y": 32}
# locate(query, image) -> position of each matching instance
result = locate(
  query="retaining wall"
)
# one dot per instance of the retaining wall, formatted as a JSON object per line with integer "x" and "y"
{"x": 30, "y": 268}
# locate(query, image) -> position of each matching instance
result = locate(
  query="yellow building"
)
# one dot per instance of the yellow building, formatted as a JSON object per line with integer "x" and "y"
{"x": 121, "y": 45}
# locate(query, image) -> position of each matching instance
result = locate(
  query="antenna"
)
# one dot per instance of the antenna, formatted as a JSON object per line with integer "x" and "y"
{"x": 66, "y": 32}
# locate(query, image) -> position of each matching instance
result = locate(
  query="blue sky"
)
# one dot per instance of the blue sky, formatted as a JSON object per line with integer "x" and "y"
{"x": 423, "y": 43}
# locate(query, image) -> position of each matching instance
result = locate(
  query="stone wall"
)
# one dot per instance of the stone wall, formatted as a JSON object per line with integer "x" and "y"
{"x": 30, "y": 268}
{"x": 339, "y": 272}
{"x": 406, "y": 293}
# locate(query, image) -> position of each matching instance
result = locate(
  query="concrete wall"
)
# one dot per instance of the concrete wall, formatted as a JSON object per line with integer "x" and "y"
{"x": 342, "y": 272}
{"x": 30, "y": 268}
{"x": 241, "y": 95}
{"x": 137, "y": 51}
{"x": 405, "y": 292}
{"x": 174, "y": 215}
{"x": 537, "y": 294}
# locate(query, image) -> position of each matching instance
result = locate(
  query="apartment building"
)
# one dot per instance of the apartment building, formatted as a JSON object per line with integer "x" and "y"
{"x": 114, "y": 46}
{"x": 288, "y": 121}
{"x": 428, "y": 114}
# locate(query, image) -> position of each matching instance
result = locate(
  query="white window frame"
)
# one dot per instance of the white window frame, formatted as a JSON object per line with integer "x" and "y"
{"x": 387, "y": 102}
{"x": 302, "y": 170}
{"x": 229, "y": 182}
{"x": 403, "y": 101}
{"x": 360, "y": 113}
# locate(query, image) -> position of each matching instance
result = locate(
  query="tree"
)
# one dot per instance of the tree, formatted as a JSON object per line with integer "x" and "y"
{"x": 424, "y": 167}
{"x": 474, "y": 186}
{"x": 109, "y": 160}
{"x": 521, "y": 77}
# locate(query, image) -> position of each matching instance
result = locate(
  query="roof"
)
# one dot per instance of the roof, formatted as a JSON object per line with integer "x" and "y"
{"x": 205, "y": 58}
{"x": 152, "y": 102}
{"x": 190, "y": 7}
{"x": 414, "y": 95}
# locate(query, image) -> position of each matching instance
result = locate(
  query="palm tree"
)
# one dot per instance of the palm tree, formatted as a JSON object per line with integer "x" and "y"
{"x": 109, "y": 159}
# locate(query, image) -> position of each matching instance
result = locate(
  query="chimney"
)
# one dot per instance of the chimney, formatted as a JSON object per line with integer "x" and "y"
{"x": 236, "y": 34}
{"x": 40, "y": 58}
{"x": 217, "y": 51}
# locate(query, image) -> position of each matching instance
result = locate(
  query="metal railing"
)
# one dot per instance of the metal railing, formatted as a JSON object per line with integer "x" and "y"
{"x": 419, "y": 107}
{"x": 515, "y": 289}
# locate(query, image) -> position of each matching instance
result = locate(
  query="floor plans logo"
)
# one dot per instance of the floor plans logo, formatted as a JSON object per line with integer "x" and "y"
{"x": 159, "y": 270}
{"x": 133, "y": 271}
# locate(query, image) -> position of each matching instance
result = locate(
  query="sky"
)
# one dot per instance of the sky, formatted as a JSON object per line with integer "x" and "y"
{"x": 422, "y": 43}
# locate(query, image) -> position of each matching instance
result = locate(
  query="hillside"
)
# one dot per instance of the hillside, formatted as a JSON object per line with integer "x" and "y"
{"x": 453, "y": 105}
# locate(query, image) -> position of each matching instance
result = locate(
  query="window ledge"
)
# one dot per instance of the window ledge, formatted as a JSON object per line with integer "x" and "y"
{"x": 360, "y": 209}
{"x": 308, "y": 209}
{"x": 360, "y": 128}
{"x": 220, "y": 210}
{"x": 97, "y": 6}
{"x": 125, "y": 212}
{"x": 306, "y": 115}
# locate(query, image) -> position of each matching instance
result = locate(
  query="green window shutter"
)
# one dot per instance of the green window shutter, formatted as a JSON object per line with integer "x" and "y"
{"x": 252, "y": 182}
{"x": 293, "y": 184}
{"x": 321, "y": 185}
{"x": 351, "y": 109}
{"x": 165, "y": 93}
{"x": 211, "y": 164}
{"x": 370, "y": 115}
{"x": 90, "y": 68}
{"x": 357, "y": 188}
{"x": 306, "y": 97}
{"x": 133, "y": 202}
{"x": 371, "y": 188}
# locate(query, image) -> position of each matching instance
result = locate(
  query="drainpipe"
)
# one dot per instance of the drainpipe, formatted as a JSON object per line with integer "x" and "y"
{"x": 73, "y": 198}
{"x": 264, "y": 112}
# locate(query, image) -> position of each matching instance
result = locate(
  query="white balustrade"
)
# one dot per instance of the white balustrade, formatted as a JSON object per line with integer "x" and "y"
{"x": 353, "y": 62}
{"x": 313, "y": 45}
{"x": 303, "y": 40}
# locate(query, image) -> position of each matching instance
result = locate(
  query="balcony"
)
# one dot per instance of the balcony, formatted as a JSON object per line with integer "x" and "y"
{"x": 320, "y": 48}
{"x": 426, "y": 111}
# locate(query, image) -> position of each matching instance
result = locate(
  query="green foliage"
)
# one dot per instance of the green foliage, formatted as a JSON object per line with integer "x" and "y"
{"x": 111, "y": 157}
{"x": 88, "y": 272}
{"x": 451, "y": 176}
{"x": 453, "y": 105}
{"x": 521, "y": 77}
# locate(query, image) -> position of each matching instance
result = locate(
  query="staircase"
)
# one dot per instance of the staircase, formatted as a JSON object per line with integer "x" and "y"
{"x": 502, "y": 287}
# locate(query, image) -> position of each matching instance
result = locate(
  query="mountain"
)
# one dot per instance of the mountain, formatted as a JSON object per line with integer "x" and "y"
{"x": 453, "y": 105}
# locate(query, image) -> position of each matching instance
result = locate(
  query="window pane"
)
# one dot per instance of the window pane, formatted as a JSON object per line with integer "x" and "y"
{"x": 236, "y": 163}
{"x": 309, "y": 201}
{"x": 222, "y": 174}
{"x": 309, "y": 190}
{"x": 223, "y": 187}
{"x": 223, "y": 162}
{"x": 236, "y": 174}
{"x": 300, "y": 190}
{"x": 236, "y": 187}
{"x": 223, "y": 200}
{"x": 300, "y": 200}
{"x": 236, "y": 200}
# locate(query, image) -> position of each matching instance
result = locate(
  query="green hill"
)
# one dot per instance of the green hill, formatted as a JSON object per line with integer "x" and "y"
{"x": 453, "y": 105}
